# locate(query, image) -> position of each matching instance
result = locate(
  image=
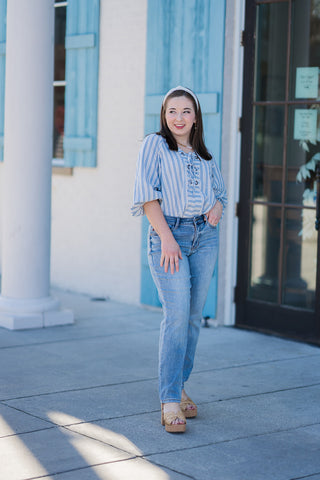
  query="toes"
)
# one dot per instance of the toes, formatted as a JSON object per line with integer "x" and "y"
{"x": 178, "y": 421}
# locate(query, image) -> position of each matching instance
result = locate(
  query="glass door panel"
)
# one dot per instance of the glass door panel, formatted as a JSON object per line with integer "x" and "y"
{"x": 271, "y": 51}
{"x": 268, "y": 153}
{"x": 300, "y": 258}
{"x": 265, "y": 247}
{"x": 305, "y": 50}
{"x": 303, "y": 154}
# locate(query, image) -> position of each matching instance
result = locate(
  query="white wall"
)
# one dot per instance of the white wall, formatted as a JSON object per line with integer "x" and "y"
{"x": 95, "y": 241}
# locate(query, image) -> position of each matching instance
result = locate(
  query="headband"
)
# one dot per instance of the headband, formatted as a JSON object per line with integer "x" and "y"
{"x": 185, "y": 90}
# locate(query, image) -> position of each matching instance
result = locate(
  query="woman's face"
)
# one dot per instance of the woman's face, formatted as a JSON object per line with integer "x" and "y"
{"x": 180, "y": 116}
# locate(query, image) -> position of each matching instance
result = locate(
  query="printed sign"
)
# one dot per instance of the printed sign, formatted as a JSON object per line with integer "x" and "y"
{"x": 305, "y": 124}
{"x": 307, "y": 82}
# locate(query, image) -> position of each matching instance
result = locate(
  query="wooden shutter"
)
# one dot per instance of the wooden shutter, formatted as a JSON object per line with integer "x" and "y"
{"x": 81, "y": 97}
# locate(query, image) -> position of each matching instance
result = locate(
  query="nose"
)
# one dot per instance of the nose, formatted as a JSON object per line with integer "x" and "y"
{"x": 179, "y": 115}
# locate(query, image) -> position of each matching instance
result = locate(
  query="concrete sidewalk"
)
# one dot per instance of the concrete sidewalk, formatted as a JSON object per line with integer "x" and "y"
{"x": 80, "y": 403}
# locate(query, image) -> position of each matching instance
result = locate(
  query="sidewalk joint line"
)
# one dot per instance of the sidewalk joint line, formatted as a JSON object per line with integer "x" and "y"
{"x": 236, "y": 439}
{"x": 72, "y": 340}
{"x": 58, "y": 392}
{"x": 30, "y": 415}
{"x": 196, "y": 372}
{"x": 253, "y": 364}
{"x": 28, "y": 432}
{"x": 80, "y": 468}
{"x": 306, "y": 476}
{"x": 259, "y": 394}
{"x": 219, "y": 400}
{"x": 172, "y": 470}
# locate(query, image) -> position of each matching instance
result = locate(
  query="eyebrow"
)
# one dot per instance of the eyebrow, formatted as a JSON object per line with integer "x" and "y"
{"x": 184, "y": 108}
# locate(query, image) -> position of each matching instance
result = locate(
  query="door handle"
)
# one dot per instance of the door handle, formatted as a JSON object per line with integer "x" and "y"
{"x": 317, "y": 224}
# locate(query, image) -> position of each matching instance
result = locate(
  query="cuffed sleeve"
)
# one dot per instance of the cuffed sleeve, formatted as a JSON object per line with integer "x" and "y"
{"x": 147, "y": 185}
{"x": 218, "y": 185}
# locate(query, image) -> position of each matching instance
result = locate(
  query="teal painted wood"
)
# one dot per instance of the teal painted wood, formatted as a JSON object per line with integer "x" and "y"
{"x": 3, "y": 31}
{"x": 185, "y": 46}
{"x": 81, "y": 97}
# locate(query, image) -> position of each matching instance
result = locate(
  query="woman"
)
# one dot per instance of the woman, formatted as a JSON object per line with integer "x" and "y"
{"x": 179, "y": 187}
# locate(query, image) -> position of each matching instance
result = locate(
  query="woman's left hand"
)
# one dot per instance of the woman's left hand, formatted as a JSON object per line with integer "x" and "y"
{"x": 214, "y": 215}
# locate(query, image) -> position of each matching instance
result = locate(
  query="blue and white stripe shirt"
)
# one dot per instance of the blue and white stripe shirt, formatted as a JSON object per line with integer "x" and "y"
{"x": 185, "y": 185}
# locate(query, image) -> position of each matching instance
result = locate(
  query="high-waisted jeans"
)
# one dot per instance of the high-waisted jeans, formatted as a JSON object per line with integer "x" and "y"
{"x": 183, "y": 295}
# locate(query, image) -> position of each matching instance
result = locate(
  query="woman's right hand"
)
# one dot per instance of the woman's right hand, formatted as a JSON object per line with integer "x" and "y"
{"x": 170, "y": 250}
{"x": 170, "y": 254}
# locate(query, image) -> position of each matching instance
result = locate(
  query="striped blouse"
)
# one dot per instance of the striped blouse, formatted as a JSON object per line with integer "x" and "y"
{"x": 185, "y": 185}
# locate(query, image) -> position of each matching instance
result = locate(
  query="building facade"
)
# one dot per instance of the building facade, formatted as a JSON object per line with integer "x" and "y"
{"x": 258, "y": 85}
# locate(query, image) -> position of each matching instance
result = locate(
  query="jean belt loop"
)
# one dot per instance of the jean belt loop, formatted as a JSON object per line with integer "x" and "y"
{"x": 177, "y": 222}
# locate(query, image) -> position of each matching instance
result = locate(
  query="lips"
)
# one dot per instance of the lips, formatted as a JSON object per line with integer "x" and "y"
{"x": 179, "y": 126}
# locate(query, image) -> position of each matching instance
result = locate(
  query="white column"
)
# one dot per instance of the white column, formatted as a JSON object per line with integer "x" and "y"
{"x": 25, "y": 300}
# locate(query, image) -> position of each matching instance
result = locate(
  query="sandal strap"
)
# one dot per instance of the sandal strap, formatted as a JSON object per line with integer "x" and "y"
{"x": 170, "y": 417}
{"x": 184, "y": 403}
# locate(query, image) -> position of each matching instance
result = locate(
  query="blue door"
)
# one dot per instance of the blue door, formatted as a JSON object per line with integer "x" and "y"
{"x": 185, "y": 45}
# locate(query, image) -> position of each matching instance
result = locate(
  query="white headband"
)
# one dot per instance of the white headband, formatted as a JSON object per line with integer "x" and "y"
{"x": 185, "y": 90}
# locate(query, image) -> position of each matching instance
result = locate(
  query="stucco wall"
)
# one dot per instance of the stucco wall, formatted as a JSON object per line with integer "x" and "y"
{"x": 95, "y": 241}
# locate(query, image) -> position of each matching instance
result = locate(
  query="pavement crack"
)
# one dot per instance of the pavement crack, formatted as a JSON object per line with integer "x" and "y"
{"x": 306, "y": 476}
{"x": 80, "y": 389}
{"x": 196, "y": 372}
{"x": 253, "y": 364}
{"x": 160, "y": 465}
{"x": 49, "y": 475}
{"x": 230, "y": 440}
{"x": 134, "y": 455}
{"x": 259, "y": 394}
{"x": 30, "y": 415}
{"x": 77, "y": 339}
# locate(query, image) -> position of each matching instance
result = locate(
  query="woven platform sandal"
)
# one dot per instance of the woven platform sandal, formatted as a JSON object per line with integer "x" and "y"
{"x": 169, "y": 417}
{"x": 189, "y": 412}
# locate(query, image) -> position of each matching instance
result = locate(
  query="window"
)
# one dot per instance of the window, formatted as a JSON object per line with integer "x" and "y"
{"x": 75, "y": 81}
{"x": 59, "y": 84}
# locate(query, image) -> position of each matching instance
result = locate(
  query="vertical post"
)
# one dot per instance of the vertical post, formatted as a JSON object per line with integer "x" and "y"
{"x": 25, "y": 300}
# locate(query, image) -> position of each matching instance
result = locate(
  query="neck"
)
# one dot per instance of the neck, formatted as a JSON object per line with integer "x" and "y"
{"x": 184, "y": 145}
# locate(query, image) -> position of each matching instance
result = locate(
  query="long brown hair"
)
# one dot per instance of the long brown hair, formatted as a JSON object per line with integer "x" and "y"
{"x": 196, "y": 138}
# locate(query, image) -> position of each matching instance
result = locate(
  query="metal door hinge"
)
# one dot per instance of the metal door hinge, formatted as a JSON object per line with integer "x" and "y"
{"x": 240, "y": 124}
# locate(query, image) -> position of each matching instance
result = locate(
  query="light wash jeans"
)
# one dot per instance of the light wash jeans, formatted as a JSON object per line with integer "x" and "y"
{"x": 183, "y": 295}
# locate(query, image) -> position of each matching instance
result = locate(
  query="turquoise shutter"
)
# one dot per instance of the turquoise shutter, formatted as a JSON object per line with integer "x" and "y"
{"x": 185, "y": 46}
{"x": 81, "y": 97}
{"x": 3, "y": 25}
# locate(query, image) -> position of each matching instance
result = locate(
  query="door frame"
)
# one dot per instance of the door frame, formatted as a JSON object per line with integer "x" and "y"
{"x": 253, "y": 314}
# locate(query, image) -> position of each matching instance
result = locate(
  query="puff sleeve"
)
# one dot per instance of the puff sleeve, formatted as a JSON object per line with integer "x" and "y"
{"x": 147, "y": 185}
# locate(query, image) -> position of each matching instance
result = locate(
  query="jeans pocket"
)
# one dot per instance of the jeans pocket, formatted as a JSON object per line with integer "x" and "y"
{"x": 152, "y": 232}
{"x": 210, "y": 225}
{"x": 154, "y": 242}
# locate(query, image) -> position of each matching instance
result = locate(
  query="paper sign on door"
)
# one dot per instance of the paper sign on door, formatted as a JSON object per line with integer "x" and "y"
{"x": 305, "y": 124}
{"x": 307, "y": 82}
